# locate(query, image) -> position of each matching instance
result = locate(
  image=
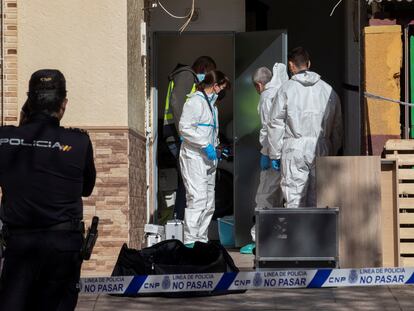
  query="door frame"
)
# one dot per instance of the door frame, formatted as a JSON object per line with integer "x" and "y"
{"x": 246, "y": 172}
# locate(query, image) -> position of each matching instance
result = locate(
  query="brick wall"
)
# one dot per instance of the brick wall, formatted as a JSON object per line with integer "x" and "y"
{"x": 10, "y": 107}
{"x": 118, "y": 198}
{"x": 137, "y": 189}
{"x": 8, "y": 113}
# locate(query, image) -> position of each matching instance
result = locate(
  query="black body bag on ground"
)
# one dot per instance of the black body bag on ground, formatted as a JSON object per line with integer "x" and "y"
{"x": 173, "y": 257}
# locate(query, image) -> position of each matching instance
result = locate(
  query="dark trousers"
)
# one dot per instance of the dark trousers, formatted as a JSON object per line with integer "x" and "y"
{"x": 41, "y": 271}
{"x": 180, "y": 200}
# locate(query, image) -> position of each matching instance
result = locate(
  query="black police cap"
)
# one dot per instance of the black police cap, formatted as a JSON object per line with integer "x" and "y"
{"x": 47, "y": 80}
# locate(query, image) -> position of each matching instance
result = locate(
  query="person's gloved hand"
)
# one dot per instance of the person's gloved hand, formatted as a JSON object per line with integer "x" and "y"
{"x": 223, "y": 153}
{"x": 210, "y": 152}
{"x": 276, "y": 165}
{"x": 264, "y": 162}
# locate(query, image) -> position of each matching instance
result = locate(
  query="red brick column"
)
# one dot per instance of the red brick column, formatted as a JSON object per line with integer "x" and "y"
{"x": 9, "y": 74}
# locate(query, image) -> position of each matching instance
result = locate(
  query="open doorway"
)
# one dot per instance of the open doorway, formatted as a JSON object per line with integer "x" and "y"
{"x": 308, "y": 24}
{"x": 171, "y": 49}
{"x": 238, "y": 56}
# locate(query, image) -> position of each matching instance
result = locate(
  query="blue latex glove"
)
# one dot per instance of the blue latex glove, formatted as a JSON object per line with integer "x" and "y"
{"x": 276, "y": 165}
{"x": 264, "y": 162}
{"x": 210, "y": 152}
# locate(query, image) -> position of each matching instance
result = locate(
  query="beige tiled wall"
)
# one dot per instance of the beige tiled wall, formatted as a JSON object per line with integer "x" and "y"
{"x": 119, "y": 196}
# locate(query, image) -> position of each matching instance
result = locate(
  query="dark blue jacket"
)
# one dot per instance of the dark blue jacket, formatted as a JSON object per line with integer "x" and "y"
{"x": 45, "y": 169}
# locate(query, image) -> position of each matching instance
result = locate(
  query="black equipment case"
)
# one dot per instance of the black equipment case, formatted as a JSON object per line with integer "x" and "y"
{"x": 296, "y": 238}
{"x": 173, "y": 257}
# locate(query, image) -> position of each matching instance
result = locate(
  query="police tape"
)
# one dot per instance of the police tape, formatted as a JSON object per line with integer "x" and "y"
{"x": 217, "y": 282}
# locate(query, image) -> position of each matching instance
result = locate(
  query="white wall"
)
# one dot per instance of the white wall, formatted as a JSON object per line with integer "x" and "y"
{"x": 87, "y": 41}
{"x": 214, "y": 15}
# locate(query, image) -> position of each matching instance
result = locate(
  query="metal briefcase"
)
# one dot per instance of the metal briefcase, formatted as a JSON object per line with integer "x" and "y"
{"x": 296, "y": 237}
{"x": 174, "y": 229}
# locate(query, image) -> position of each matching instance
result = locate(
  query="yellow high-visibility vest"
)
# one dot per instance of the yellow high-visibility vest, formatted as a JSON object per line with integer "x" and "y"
{"x": 168, "y": 113}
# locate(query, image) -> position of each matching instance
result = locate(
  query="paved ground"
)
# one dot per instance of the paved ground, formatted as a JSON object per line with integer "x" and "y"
{"x": 375, "y": 299}
{"x": 362, "y": 298}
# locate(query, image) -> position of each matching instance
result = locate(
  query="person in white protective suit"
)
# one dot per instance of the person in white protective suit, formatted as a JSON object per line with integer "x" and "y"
{"x": 267, "y": 84}
{"x": 305, "y": 122}
{"x": 269, "y": 193}
{"x": 198, "y": 157}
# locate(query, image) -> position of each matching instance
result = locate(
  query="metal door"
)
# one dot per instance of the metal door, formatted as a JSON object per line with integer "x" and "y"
{"x": 252, "y": 50}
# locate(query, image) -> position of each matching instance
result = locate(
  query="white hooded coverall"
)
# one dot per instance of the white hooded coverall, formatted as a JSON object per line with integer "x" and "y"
{"x": 198, "y": 128}
{"x": 305, "y": 122}
{"x": 269, "y": 193}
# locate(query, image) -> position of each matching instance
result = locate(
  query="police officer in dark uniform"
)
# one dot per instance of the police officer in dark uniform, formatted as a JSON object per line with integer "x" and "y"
{"x": 45, "y": 170}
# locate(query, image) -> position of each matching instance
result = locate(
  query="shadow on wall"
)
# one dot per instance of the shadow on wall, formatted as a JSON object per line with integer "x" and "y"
{"x": 353, "y": 185}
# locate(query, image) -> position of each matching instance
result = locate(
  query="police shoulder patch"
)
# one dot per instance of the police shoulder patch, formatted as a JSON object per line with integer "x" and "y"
{"x": 78, "y": 130}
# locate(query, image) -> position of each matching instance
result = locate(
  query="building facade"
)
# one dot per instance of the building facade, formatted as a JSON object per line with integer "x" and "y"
{"x": 106, "y": 48}
{"x": 96, "y": 44}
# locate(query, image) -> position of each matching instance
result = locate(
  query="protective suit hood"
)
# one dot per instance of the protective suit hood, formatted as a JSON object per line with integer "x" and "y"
{"x": 307, "y": 78}
{"x": 279, "y": 75}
